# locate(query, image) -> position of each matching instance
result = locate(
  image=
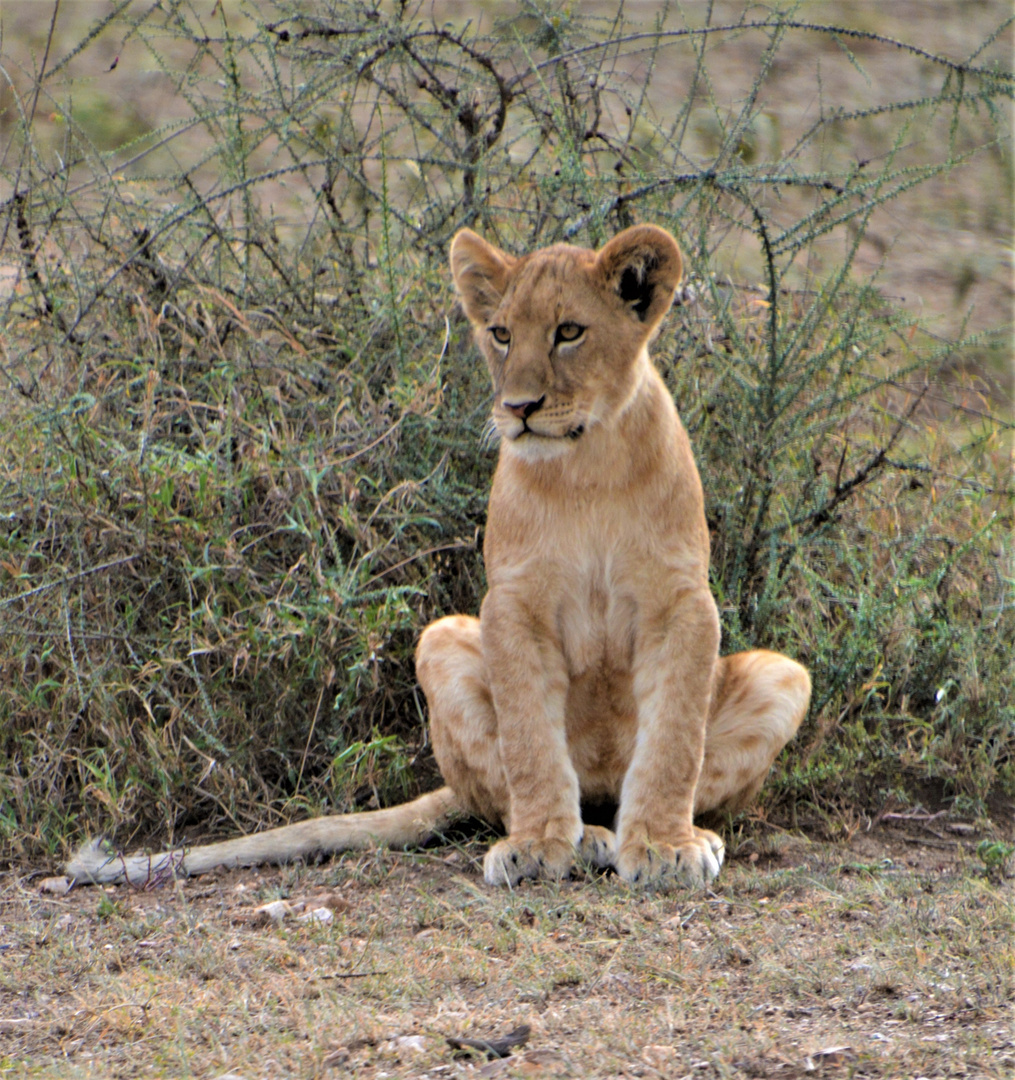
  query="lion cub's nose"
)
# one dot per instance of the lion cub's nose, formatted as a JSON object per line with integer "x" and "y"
{"x": 524, "y": 409}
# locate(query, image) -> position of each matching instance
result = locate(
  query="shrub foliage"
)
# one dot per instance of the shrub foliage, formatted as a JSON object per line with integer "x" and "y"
{"x": 242, "y": 424}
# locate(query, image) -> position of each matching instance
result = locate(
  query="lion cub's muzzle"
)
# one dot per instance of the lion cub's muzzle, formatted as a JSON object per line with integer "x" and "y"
{"x": 545, "y": 422}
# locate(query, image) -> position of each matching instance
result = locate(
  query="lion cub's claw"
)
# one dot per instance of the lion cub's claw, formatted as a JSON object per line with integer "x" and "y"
{"x": 693, "y": 863}
{"x": 510, "y": 860}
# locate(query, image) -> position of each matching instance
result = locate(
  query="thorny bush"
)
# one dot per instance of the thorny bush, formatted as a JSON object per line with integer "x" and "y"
{"x": 242, "y": 424}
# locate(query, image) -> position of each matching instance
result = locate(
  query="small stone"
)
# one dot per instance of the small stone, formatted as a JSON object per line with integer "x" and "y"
{"x": 275, "y": 912}
{"x": 321, "y": 915}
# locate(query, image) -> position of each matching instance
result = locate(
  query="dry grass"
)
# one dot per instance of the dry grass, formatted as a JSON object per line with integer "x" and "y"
{"x": 248, "y": 470}
{"x": 887, "y": 956}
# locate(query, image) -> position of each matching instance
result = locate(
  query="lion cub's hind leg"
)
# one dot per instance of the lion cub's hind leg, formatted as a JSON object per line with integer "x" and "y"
{"x": 761, "y": 699}
{"x": 463, "y": 724}
{"x": 598, "y": 846}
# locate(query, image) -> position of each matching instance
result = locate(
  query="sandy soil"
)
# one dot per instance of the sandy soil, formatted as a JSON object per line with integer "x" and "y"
{"x": 888, "y": 954}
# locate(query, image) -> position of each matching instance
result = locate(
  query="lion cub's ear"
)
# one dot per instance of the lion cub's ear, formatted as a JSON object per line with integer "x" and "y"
{"x": 643, "y": 266}
{"x": 481, "y": 274}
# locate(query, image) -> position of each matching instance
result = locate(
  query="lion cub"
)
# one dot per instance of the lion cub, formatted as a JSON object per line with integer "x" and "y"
{"x": 593, "y": 670}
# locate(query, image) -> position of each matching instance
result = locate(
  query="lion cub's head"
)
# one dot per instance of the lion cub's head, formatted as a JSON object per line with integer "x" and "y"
{"x": 564, "y": 329}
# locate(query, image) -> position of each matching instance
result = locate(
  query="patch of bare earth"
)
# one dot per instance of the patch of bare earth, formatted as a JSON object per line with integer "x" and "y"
{"x": 891, "y": 955}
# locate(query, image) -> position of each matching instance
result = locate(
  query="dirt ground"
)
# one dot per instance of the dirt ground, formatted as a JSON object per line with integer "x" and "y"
{"x": 891, "y": 954}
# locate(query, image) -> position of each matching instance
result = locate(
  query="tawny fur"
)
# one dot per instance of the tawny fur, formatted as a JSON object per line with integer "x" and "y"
{"x": 408, "y": 825}
{"x": 593, "y": 670}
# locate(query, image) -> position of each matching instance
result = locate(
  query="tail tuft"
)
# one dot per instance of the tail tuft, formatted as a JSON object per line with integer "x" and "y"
{"x": 97, "y": 863}
{"x": 93, "y": 862}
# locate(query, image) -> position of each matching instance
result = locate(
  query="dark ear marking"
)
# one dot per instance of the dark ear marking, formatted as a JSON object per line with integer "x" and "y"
{"x": 642, "y": 266}
{"x": 636, "y": 286}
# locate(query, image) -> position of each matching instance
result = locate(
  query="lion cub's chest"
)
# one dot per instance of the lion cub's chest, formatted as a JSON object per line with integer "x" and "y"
{"x": 596, "y": 624}
{"x": 596, "y": 619}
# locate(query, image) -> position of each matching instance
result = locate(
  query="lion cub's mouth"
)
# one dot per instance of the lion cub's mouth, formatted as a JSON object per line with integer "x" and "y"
{"x": 573, "y": 434}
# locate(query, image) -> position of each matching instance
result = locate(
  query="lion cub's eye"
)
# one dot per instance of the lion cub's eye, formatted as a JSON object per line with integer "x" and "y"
{"x": 501, "y": 334}
{"x": 568, "y": 331}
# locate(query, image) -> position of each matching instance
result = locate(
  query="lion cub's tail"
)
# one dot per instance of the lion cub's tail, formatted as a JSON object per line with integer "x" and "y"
{"x": 407, "y": 825}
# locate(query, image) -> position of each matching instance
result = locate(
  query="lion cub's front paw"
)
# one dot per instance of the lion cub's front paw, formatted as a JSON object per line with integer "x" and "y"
{"x": 510, "y": 860}
{"x": 694, "y": 863}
